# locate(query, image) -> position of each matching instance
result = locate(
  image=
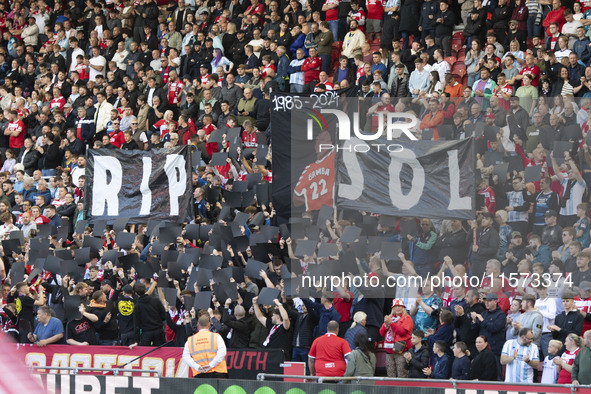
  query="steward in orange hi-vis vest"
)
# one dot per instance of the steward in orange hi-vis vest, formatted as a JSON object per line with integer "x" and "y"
{"x": 205, "y": 352}
{"x": 203, "y": 348}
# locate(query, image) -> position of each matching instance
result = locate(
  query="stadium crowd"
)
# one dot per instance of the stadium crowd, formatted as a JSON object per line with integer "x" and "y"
{"x": 146, "y": 75}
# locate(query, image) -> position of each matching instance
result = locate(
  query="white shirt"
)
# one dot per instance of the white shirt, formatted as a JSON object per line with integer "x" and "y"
{"x": 547, "y": 308}
{"x": 97, "y": 61}
{"x": 442, "y": 68}
{"x": 219, "y": 357}
{"x": 75, "y": 53}
{"x": 550, "y": 374}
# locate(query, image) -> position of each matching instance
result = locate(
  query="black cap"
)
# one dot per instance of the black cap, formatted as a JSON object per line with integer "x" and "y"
{"x": 127, "y": 289}
{"x": 492, "y": 297}
{"x": 487, "y": 215}
{"x": 551, "y": 213}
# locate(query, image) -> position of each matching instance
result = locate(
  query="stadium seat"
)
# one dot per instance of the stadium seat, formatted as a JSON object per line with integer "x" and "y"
{"x": 456, "y": 45}
{"x": 451, "y": 60}
{"x": 465, "y": 80}
{"x": 461, "y": 55}
{"x": 461, "y": 70}
{"x": 335, "y": 53}
{"x": 458, "y": 35}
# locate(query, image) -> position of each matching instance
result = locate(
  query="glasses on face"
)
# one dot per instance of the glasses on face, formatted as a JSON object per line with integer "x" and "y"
{"x": 116, "y": 124}
{"x": 134, "y": 124}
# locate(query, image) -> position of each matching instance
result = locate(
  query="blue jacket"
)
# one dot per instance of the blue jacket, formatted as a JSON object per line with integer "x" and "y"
{"x": 542, "y": 255}
{"x": 441, "y": 367}
{"x": 493, "y": 327}
{"x": 444, "y": 333}
{"x": 324, "y": 315}
{"x": 428, "y": 8}
{"x": 282, "y": 66}
{"x": 460, "y": 369}
{"x": 297, "y": 44}
{"x": 582, "y": 49}
{"x": 30, "y": 194}
{"x": 46, "y": 194}
{"x": 352, "y": 333}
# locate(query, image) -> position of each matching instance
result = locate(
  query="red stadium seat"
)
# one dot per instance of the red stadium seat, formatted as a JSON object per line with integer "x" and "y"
{"x": 456, "y": 45}
{"x": 461, "y": 55}
{"x": 458, "y": 35}
{"x": 461, "y": 70}
{"x": 451, "y": 60}
{"x": 465, "y": 80}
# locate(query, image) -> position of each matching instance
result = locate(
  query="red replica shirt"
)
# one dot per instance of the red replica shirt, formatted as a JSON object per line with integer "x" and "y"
{"x": 329, "y": 351}
{"x": 204, "y": 78}
{"x": 266, "y": 70}
{"x": 584, "y": 305}
{"x": 259, "y": 9}
{"x": 375, "y": 9}
{"x": 117, "y": 139}
{"x": 342, "y": 306}
{"x": 332, "y": 14}
{"x": 175, "y": 90}
{"x": 249, "y": 140}
{"x": 82, "y": 71}
{"x": 311, "y": 68}
{"x": 535, "y": 71}
{"x": 57, "y": 102}
{"x": 316, "y": 184}
{"x": 19, "y": 140}
{"x": 359, "y": 16}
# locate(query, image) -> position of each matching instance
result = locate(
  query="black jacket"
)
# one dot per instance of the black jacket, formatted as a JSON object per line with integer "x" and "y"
{"x": 475, "y": 29}
{"x": 304, "y": 328}
{"x": 148, "y": 315}
{"x": 400, "y": 88}
{"x": 453, "y": 245}
{"x": 500, "y": 17}
{"x": 445, "y": 28}
{"x": 493, "y": 327}
{"x": 467, "y": 333}
{"x": 50, "y": 158}
{"x": 30, "y": 161}
{"x": 105, "y": 330}
{"x": 241, "y": 330}
{"x": 484, "y": 366}
{"x": 420, "y": 360}
{"x": 570, "y": 323}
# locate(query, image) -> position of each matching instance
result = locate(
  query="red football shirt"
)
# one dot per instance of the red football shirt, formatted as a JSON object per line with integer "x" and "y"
{"x": 329, "y": 351}
{"x": 316, "y": 183}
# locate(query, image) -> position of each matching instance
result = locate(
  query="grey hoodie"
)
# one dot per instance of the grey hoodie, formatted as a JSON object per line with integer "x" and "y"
{"x": 532, "y": 319}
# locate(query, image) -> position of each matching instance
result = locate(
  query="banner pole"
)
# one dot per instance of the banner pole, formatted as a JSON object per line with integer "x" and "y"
{"x": 138, "y": 357}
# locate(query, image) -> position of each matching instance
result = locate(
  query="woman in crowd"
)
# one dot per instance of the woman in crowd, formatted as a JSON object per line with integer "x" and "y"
{"x": 484, "y": 365}
{"x": 396, "y": 330}
{"x": 565, "y": 362}
{"x": 362, "y": 360}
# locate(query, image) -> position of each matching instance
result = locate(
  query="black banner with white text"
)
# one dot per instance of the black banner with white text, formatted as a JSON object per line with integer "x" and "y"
{"x": 432, "y": 179}
{"x": 139, "y": 185}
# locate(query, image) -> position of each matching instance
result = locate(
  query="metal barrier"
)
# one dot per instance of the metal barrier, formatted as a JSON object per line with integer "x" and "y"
{"x": 115, "y": 371}
{"x": 451, "y": 382}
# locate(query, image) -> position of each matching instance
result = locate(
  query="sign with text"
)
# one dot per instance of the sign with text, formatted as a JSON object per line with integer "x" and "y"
{"x": 242, "y": 363}
{"x": 138, "y": 184}
{"x": 424, "y": 179}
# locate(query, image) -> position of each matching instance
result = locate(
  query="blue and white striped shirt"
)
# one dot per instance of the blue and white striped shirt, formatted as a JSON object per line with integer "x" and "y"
{"x": 576, "y": 197}
{"x": 516, "y": 200}
{"x": 517, "y": 371}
